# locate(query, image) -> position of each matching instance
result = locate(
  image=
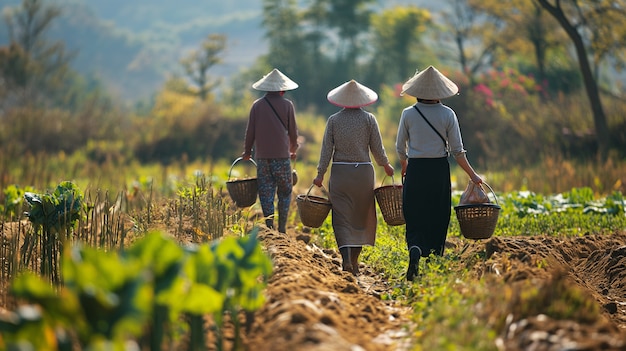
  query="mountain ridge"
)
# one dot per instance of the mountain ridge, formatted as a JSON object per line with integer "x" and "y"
{"x": 133, "y": 46}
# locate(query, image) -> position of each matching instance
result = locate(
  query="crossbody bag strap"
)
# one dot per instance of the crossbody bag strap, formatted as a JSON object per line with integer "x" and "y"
{"x": 276, "y": 113}
{"x": 445, "y": 142}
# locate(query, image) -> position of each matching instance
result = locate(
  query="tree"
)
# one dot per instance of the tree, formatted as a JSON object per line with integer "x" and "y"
{"x": 607, "y": 27}
{"x": 42, "y": 65}
{"x": 199, "y": 62}
{"x": 295, "y": 47}
{"x": 281, "y": 19}
{"x": 318, "y": 45}
{"x": 578, "y": 18}
{"x": 350, "y": 19}
{"x": 13, "y": 70}
{"x": 396, "y": 40}
{"x": 527, "y": 31}
{"x": 474, "y": 44}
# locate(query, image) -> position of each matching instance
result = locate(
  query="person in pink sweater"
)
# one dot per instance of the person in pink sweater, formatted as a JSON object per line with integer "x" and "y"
{"x": 272, "y": 134}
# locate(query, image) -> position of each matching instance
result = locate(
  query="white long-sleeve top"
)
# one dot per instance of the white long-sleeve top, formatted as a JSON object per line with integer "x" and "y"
{"x": 416, "y": 139}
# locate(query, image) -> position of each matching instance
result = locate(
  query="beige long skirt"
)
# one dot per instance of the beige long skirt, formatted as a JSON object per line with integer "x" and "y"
{"x": 351, "y": 188}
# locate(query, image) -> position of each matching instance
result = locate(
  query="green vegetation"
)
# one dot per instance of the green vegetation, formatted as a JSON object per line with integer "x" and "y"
{"x": 112, "y": 300}
{"x": 56, "y": 211}
{"x": 576, "y": 213}
{"x": 143, "y": 304}
{"x": 97, "y": 177}
{"x": 449, "y": 297}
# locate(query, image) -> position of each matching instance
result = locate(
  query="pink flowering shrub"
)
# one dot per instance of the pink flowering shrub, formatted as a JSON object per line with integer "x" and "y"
{"x": 508, "y": 87}
{"x": 497, "y": 115}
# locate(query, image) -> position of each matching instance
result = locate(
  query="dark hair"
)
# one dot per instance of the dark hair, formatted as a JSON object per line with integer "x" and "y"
{"x": 428, "y": 101}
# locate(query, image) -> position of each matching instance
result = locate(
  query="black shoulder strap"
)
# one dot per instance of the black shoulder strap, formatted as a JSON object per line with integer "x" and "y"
{"x": 445, "y": 142}
{"x": 276, "y": 113}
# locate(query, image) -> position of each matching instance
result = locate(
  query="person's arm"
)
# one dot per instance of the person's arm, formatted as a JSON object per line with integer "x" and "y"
{"x": 292, "y": 132}
{"x": 403, "y": 164}
{"x": 326, "y": 153}
{"x": 250, "y": 136}
{"x": 401, "y": 145}
{"x": 461, "y": 159}
{"x": 389, "y": 169}
{"x": 457, "y": 150}
{"x": 377, "y": 148}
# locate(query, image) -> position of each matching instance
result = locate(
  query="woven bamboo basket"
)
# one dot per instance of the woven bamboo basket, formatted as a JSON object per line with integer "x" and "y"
{"x": 478, "y": 221}
{"x": 313, "y": 210}
{"x": 389, "y": 198}
{"x": 242, "y": 191}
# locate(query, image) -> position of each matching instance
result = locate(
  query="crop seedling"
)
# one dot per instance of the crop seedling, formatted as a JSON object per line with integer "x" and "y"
{"x": 53, "y": 216}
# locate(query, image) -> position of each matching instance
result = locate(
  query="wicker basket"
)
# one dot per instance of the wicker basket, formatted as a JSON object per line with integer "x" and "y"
{"x": 242, "y": 191}
{"x": 313, "y": 210}
{"x": 478, "y": 221}
{"x": 389, "y": 198}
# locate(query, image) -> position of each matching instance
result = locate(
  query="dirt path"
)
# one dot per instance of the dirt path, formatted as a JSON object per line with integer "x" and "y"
{"x": 313, "y": 305}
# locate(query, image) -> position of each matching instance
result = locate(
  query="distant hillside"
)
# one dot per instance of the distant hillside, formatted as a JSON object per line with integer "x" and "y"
{"x": 169, "y": 29}
{"x": 133, "y": 45}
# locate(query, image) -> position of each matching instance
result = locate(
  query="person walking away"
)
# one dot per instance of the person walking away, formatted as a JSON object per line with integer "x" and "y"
{"x": 273, "y": 134}
{"x": 350, "y": 135}
{"x": 428, "y": 132}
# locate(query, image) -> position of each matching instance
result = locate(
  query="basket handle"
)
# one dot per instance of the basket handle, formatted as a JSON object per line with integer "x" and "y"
{"x": 493, "y": 192}
{"x": 311, "y": 188}
{"x": 385, "y": 177}
{"x": 237, "y": 160}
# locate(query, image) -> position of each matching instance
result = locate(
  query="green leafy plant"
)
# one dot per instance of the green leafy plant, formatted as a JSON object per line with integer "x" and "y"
{"x": 139, "y": 297}
{"x": 13, "y": 200}
{"x": 53, "y": 216}
{"x": 57, "y": 210}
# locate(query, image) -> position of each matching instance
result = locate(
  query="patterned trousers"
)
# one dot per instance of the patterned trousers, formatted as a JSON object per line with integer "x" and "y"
{"x": 274, "y": 178}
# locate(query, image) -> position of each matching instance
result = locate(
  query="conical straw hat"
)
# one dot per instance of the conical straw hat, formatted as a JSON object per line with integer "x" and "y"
{"x": 275, "y": 81}
{"x": 352, "y": 94}
{"x": 430, "y": 84}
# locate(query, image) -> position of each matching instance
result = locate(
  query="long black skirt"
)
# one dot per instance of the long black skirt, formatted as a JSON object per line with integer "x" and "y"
{"x": 426, "y": 204}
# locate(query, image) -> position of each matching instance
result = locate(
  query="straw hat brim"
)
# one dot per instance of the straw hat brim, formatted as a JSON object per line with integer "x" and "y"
{"x": 430, "y": 84}
{"x": 275, "y": 81}
{"x": 352, "y": 94}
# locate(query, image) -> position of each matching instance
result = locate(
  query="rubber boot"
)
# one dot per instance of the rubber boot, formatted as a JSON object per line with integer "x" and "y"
{"x": 282, "y": 225}
{"x": 354, "y": 259}
{"x": 346, "y": 263}
{"x": 269, "y": 223}
{"x": 414, "y": 260}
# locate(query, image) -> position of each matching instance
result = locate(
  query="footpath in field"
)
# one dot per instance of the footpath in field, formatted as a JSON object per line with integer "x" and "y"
{"x": 313, "y": 305}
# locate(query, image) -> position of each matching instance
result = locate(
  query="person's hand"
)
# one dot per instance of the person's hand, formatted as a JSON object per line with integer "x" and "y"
{"x": 318, "y": 180}
{"x": 404, "y": 163}
{"x": 389, "y": 169}
{"x": 292, "y": 155}
{"x": 477, "y": 179}
{"x": 245, "y": 156}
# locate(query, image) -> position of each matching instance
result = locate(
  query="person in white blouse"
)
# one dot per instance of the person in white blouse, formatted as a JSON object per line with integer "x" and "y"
{"x": 428, "y": 132}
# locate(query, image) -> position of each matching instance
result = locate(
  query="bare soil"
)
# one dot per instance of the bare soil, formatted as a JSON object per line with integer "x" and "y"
{"x": 313, "y": 305}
